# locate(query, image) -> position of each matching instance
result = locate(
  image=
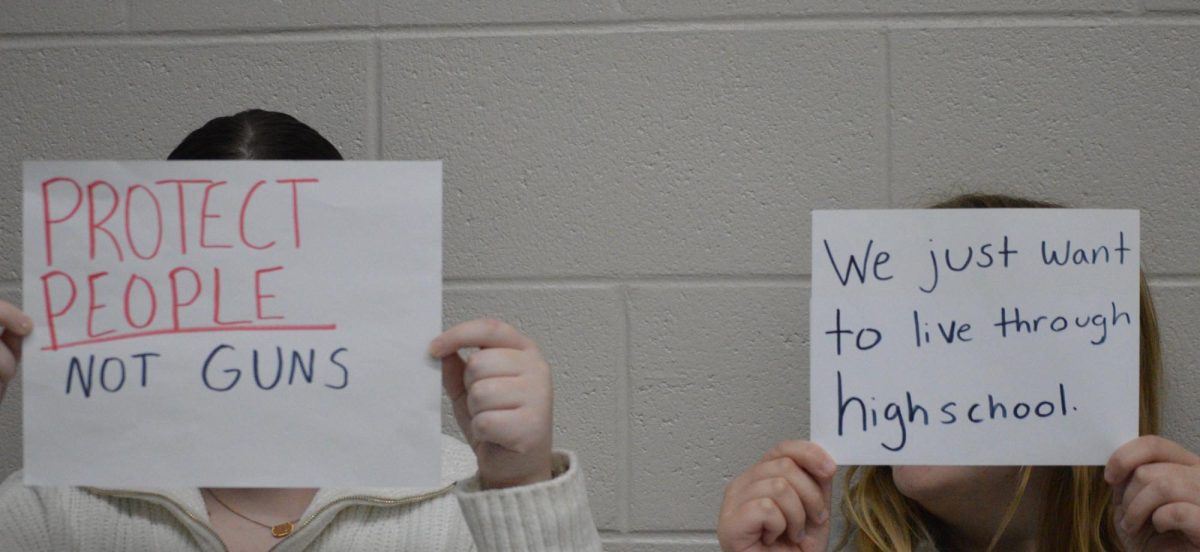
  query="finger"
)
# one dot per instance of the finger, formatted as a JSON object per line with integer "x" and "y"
{"x": 808, "y": 455}
{"x": 453, "y": 367}
{"x": 734, "y": 489}
{"x": 751, "y": 487}
{"x": 492, "y": 363}
{"x": 453, "y": 374}
{"x": 481, "y": 333}
{"x": 1179, "y": 516}
{"x": 816, "y": 502}
{"x": 1162, "y": 484}
{"x": 13, "y": 343}
{"x": 8, "y": 370}
{"x": 765, "y": 519}
{"x": 495, "y": 394}
{"x": 14, "y": 319}
{"x": 503, "y": 428}
{"x": 781, "y": 492}
{"x": 826, "y": 486}
{"x": 1144, "y": 450}
{"x": 744, "y": 525}
{"x": 1142, "y": 476}
{"x": 8, "y": 365}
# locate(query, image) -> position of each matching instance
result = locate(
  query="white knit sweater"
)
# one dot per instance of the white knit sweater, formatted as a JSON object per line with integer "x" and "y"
{"x": 552, "y": 515}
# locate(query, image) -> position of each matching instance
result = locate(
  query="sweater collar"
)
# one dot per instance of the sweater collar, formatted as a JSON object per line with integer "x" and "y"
{"x": 458, "y": 463}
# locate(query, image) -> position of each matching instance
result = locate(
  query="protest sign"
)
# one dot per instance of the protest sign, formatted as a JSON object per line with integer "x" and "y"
{"x": 976, "y": 336}
{"x": 244, "y": 323}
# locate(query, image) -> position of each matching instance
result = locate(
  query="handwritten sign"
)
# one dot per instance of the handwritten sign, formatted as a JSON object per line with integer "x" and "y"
{"x": 248, "y": 323}
{"x": 976, "y": 336}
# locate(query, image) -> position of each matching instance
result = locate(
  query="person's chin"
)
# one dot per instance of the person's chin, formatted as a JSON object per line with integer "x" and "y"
{"x": 922, "y": 482}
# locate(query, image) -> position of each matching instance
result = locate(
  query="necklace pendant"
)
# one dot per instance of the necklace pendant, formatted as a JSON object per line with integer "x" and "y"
{"x": 282, "y": 530}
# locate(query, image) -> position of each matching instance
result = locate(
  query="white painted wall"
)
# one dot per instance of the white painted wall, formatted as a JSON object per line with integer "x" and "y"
{"x": 629, "y": 180}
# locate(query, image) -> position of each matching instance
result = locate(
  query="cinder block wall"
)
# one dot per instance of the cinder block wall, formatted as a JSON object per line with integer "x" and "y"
{"x": 629, "y": 181}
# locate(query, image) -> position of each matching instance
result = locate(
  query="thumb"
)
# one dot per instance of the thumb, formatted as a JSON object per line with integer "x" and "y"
{"x": 817, "y": 540}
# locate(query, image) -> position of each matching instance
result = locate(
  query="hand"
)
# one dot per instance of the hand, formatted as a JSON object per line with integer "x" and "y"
{"x": 1156, "y": 495}
{"x": 503, "y": 400}
{"x": 783, "y": 502}
{"x": 16, "y": 325}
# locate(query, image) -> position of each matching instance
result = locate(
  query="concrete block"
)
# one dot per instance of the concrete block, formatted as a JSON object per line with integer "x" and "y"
{"x": 644, "y": 153}
{"x": 1100, "y": 117}
{"x": 1178, "y": 315}
{"x": 140, "y": 102}
{"x": 11, "y": 445}
{"x": 719, "y": 375}
{"x": 61, "y": 16}
{"x": 580, "y": 332}
{"x": 163, "y": 15}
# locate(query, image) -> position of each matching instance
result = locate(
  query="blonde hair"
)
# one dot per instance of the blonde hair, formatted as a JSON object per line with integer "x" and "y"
{"x": 881, "y": 519}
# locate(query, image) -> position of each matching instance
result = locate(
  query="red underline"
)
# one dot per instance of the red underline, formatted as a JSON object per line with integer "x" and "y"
{"x": 200, "y": 329}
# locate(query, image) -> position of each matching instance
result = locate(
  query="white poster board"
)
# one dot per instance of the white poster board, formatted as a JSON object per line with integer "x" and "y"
{"x": 974, "y": 336}
{"x": 244, "y": 323}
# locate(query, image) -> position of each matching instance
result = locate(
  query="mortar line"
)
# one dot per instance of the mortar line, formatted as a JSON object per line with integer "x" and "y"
{"x": 452, "y": 284}
{"x": 641, "y": 281}
{"x": 887, "y": 117}
{"x": 603, "y": 282}
{"x": 981, "y": 20}
{"x": 1173, "y": 280}
{"x": 374, "y": 99}
{"x": 624, "y": 424}
{"x": 378, "y": 94}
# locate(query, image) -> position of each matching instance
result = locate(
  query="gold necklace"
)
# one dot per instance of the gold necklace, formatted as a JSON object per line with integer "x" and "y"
{"x": 278, "y": 531}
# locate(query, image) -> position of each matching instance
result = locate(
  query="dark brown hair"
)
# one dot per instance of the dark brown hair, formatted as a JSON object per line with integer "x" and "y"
{"x": 255, "y": 134}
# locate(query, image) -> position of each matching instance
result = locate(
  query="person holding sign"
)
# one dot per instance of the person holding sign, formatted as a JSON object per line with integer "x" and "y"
{"x": 505, "y": 489}
{"x": 1147, "y": 497}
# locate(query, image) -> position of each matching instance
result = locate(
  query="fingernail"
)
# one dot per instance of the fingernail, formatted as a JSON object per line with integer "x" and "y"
{"x": 433, "y": 349}
{"x": 828, "y": 468}
{"x": 822, "y": 517}
{"x": 799, "y": 535}
{"x": 26, "y": 324}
